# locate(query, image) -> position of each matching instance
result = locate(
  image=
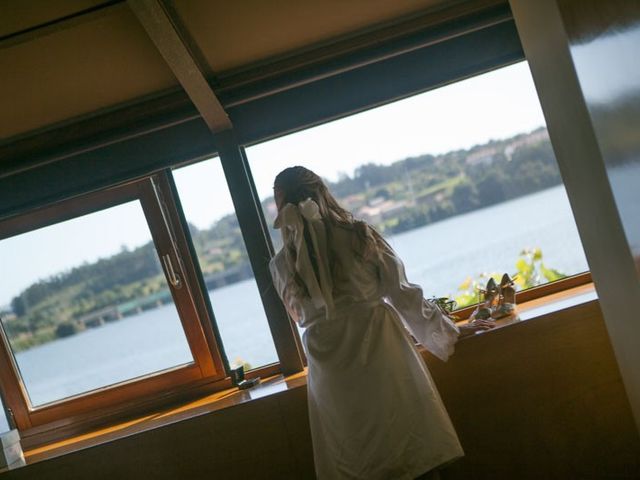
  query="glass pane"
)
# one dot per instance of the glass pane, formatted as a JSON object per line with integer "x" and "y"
{"x": 4, "y": 424}
{"x": 89, "y": 304}
{"x": 462, "y": 180}
{"x": 225, "y": 264}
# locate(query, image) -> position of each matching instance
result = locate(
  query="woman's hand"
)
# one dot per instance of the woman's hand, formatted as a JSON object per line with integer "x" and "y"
{"x": 475, "y": 326}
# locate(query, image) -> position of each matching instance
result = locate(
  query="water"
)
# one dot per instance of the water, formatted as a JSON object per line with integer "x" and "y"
{"x": 438, "y": 257}
{"x": 142, "y": 344}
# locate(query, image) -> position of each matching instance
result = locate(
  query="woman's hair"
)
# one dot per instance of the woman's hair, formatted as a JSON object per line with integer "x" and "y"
{"x": 299, "y": 183}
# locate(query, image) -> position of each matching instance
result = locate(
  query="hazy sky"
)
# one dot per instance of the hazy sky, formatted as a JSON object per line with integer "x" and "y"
{"x": 491, "y": 106}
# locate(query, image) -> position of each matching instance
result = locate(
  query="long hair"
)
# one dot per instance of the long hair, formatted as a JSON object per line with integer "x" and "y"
{"x": 297, "y": 184}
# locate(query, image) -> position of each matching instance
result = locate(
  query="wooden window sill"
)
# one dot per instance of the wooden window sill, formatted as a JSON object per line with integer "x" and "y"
{"x": 202, "y": 406}
{"x": 547, "y": 304}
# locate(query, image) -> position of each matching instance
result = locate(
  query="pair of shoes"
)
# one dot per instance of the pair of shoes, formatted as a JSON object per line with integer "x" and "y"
{"x": 491, "y": 297}
{"x": 499, "y": 300}
{"x": 506, "y": 305}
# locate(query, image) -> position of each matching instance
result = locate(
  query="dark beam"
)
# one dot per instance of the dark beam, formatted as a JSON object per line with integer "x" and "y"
{"x": 163, "y": 33}
{"x": 373, "y": 84}
{"x": 257, "y": 241}
{"x": 100, "y": 168}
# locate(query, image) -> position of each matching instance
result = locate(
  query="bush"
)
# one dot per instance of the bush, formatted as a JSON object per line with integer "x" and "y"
{"x": 66, "y": 329}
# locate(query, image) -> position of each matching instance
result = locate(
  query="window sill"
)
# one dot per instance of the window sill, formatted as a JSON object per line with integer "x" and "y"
{"x": 552, "y": 303}
{"x": 207, "y": 404}
{"x": 272, "y": 385}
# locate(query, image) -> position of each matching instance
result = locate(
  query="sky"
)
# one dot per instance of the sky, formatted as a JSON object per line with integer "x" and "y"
{"x": 494, "y": 105}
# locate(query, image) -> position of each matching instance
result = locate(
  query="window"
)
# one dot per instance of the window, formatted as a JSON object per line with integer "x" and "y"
{"x": 4, "y": 424}
{"x": 461, "y": 179}
{"x": 224, "y": 262}
{"x": 101, "y": 305}
{"x": 458, "y": 195}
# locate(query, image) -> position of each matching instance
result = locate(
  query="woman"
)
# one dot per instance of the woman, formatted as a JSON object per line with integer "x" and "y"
{"x": 373, "y": 408}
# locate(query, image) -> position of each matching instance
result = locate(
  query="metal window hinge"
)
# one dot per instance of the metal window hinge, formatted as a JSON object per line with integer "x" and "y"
{"x": 173, "y": 277}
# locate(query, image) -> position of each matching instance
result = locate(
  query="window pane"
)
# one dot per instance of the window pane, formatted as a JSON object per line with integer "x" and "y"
{"x": 90, "y": 306}
{"x": 225, "y": 265}
{"x": 462, "y": 180}
{"x": 4, "y": 424}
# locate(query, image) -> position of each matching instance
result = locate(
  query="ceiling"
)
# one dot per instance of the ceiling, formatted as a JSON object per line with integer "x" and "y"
{"x": 61, "y": 60}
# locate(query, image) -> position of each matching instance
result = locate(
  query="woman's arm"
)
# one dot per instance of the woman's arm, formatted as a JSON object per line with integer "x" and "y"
{"x": 472, "y": 328}
{"x": 425, "y": 320}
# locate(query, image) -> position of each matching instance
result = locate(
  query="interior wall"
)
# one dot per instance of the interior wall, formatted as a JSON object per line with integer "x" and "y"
{"x": 541, "y": 399}
{"x": 538, "y": 399}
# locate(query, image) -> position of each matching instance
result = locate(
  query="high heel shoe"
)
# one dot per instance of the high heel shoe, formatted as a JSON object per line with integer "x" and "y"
{"x": 485, "y": 310}
{"x": 507, "y": 301}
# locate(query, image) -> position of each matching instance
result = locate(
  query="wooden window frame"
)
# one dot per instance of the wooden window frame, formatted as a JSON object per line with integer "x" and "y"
{"x": 208, "y": 365}
{"x": 285, "y": 338}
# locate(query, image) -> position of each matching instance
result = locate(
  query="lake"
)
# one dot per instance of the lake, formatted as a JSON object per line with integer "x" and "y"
{"x": 438, "y": 257}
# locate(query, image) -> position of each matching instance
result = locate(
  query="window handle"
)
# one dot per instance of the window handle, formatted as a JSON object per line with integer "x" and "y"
{"x": 174, "y": 278}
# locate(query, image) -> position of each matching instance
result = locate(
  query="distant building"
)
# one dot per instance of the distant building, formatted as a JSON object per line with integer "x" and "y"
{"x": 380, "y": 210}
{"x": 487, "y": 154}
{"x": 353, "y": 202}
{"x": 483, "y": 156}
{"x": 538, "y": 136}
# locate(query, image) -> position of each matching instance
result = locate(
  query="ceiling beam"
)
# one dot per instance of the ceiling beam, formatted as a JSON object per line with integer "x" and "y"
{"x": 167, "y": 38}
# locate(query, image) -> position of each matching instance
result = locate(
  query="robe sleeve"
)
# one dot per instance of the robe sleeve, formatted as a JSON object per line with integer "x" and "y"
{"x": 280, "y": 284}
{"x": 426, "y": 322}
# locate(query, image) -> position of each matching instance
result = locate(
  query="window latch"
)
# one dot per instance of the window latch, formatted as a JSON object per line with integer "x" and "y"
{"x": 174, "y": 278}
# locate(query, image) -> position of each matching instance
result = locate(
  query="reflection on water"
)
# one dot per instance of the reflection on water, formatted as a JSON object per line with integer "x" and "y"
{"x": 438, "y": 257}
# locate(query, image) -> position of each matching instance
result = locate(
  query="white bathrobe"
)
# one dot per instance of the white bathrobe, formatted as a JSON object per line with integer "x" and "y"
{"x": 374, "y": 410}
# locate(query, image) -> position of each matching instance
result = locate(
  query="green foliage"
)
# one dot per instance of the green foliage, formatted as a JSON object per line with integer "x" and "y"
{"x": 469, "y": 290}
{"x": 27, "y": 341}
{"x": 66, "y": 329}
{"x": 465, "y": 197}
{"x": 531, "y": 272}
